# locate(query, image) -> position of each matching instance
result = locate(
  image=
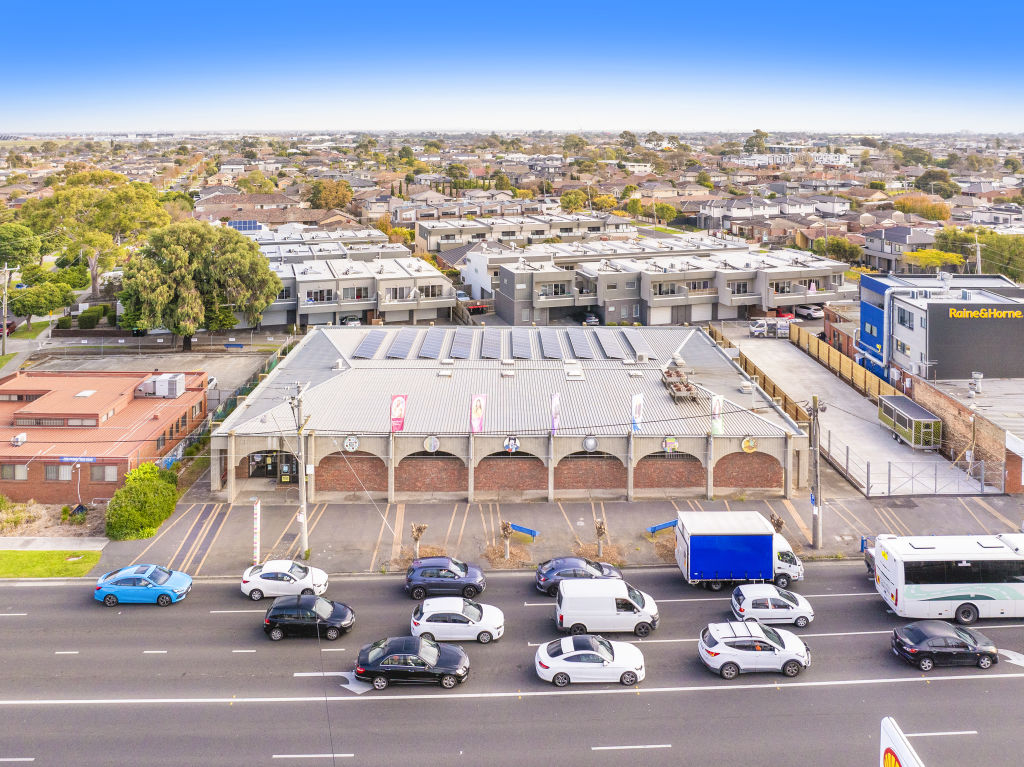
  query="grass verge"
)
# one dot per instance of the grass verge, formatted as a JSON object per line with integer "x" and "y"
{"x": 34, "y": 332}
{"x": 46, "y": 564}
{"x": 5, "y": 358}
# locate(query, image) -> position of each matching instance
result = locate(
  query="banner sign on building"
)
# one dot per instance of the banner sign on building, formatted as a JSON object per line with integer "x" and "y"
{"x": 717, "y": 421}
{"x": 638, "y": 411}
{"x": 398, "y": 412}
{"x": 556, "y": 411}
{"x": 476, "y": 413}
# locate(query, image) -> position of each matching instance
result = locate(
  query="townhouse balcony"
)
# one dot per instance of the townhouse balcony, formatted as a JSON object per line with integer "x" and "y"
{"x": 796, "y": 294}
{"x": 443, "y": 301}
{"x": 553, "y": 299}
{"x": 584, "y": 297}
{"x": 728, "y": 297}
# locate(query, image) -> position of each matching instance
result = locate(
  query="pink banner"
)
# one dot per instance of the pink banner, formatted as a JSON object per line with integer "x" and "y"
{"x": 398, "y": 412}
{"x": 476, "y": 413}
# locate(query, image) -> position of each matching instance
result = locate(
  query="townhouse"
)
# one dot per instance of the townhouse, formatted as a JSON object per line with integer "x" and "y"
{"x": 437, "y": 236}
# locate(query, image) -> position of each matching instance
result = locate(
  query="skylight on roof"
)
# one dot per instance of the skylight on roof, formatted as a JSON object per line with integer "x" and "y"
{"x": 86, "y": 393}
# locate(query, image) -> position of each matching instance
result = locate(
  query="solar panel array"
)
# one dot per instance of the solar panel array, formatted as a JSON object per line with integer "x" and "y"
{"x": 549, "y": 343}
{"x": 639, "y": 343}
{"x": 610, "y": 345}
{"x": 580, "y": 343}
{"x": 431, "y": 348}
{"x": 402, "y": 344}
{"x": 245, "y": 226}
{"x": 370, "y": 344}
{"x": 521, "y": 344}
{"x": 463, "y": 343}
{"x": 492, "y": 344}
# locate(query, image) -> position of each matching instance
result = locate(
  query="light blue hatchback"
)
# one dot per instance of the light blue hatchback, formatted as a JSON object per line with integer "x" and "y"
{"x": 150, "y": 584}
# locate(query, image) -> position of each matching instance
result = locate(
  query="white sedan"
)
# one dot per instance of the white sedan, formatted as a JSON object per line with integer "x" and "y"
{"x": 767, "y": 603}
{"x": 589, "y": 658}
{"x": 282, "y": 578}
{"x": 454, "y": 618}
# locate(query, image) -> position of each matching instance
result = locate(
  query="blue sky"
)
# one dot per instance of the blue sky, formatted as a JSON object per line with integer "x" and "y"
{"x": 671, "y": 66}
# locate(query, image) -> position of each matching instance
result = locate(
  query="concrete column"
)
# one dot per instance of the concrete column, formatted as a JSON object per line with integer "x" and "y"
{"x": 470, "y": 492}
{"x": 629, "y": 467}
{"x": 216, "y": 459}
{"x": 709, "y": 490}
{"x": 311, "y": 460}
{"x": 787, "y": 468}
{"x": 232, "y": 460}
{"x": 391, "y": 467}
{"x": 551, "y": 467}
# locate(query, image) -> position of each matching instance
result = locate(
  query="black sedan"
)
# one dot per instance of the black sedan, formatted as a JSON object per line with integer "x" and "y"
{"x": 412, "y": 660}
{"x": 927, "y": 644}
{"x": 307, "y": 615}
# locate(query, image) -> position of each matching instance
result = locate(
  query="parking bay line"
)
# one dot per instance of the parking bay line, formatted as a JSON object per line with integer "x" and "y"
{"x": 627, "y": 748}
{"x": 778, "y": 685}
{"x": 726, "y": 599}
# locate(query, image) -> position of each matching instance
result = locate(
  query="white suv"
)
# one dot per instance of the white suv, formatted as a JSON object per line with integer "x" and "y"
{"x": 767, "y": 603}
{"x": 736, "y": 648}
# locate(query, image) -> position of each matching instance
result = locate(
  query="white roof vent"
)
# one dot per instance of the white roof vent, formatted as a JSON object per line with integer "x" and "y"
{"x": 86, "y": 393}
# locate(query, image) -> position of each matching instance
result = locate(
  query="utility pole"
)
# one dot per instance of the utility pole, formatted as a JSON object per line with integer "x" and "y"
{"x": 815, "y": 474}
{"x": 300, "y": 425}
{"x": 977, "y": 260}
{"x": 3, "y": 343}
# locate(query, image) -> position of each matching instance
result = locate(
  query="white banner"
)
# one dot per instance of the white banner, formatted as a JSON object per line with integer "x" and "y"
{"x": 894, "y": 750}
{"x": 717, "y": 422}
{"x": 638, "y": 411}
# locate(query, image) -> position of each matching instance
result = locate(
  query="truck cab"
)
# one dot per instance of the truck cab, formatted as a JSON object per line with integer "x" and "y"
{"x": 788, "y": 566}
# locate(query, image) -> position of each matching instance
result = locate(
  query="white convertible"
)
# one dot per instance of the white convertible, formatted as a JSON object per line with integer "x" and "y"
{"x": 589, "y": 658}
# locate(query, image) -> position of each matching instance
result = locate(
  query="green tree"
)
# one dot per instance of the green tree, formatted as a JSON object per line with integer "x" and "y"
{"x": 1000, "y": 253}
{"x": 457, "y": 171}
{"x": 96, "y": 178}
{"x": 434, "y": 145}
{"x": 931, "y": 258}
{"x": 19, "y": 246}
{"x": 879, "y": 185}
{"x": 665, "y": 212}
{"x": 254, "y": 182}
{"x": 654, "y": 138}
{"x": 838, "y": 248}
{"x": 944, "y": 186}
{"x": 383, "y": 224}
{"x": 704, "y": 179}
{"x": 915, "y": 155}
{"x": 922, "y": 206}
{"x": 628, "y": 139}
{"x": 501, "y": 182}
{"x": 604, "y": 202}
{"x": 49, "y": 147}
{"x": 329, "y": 194}
{"x": 141, "y": 504}
{"x": 406, "y": 153}
{"x": 401, "y": 235}
{"x": 99, "y": 251}
{"x": 573, "y": 144}
{"x": 628, "y": 191}
{"x": 127, "y": 212}
{"x": 572, "y": 201}
{"x": 192, "y": 275}
{"x": 1012, "y": 164}
{"x": 755, "y": 143}
{"x": 634, "y": 207}
{"x": 44, "y": 298}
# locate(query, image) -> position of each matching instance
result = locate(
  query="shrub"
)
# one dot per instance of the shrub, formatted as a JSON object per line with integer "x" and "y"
{"x": 5, "y": 503}
{"x": 87, "y": 321}
{"x": 112, "y": 319}
{"x": 141, "y": 504}
{"x": 64, "y": 323}
{"x": 170, "y": 476}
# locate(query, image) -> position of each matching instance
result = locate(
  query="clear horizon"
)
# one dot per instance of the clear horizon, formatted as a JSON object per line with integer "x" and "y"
{"x": 884, "y": 69}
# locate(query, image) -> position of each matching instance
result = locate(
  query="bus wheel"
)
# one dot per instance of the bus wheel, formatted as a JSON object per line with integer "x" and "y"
{"x": 966, "y": 614}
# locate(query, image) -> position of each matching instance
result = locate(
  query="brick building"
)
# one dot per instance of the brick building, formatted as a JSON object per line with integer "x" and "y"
{"x": 509, "y": 414}
{"x": 68, "y": 437}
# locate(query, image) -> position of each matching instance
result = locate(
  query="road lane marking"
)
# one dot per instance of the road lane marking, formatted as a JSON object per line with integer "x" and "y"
{"x": 332, "y": 649}
{"x": 626, "y": 748}
{"x": 222, "y": 612}
{"x": 154, "y": 652}
{"x": 65, "y": 652}
{"x": 933, "y": 734}
{"x": 243, "y": 651}
{"x": 13, "y": 615}
{"x": 321, "y": 673}
{"x": 313, "y": 756}
{"x": 725, "y": 599}
{"x": 17, "y": 759}
{"x": 1012, "y": 657}
{"x": 779, "y": 684}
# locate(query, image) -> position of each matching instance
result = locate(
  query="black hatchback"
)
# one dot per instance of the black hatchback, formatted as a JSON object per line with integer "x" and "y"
{"x": 412, "y": 660}
{"x": 927, "y": 644}
{"x": 307, "y": 615}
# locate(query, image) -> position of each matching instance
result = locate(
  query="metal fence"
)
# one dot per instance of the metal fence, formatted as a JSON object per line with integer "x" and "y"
{"x": 230, "y": 402}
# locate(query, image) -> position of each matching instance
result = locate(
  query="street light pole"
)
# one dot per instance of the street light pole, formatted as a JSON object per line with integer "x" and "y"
{"x": 3, "y": 343}
{"x": 816, "y": 474}
{"x": 296, "y": 403}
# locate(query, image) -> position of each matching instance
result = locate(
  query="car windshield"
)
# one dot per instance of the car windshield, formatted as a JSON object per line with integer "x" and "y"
{"x": 970, "y": 637}
{"x": 772, "y": 635}
{"x": 418, "y": 612}
{"x": 322, "y": 608}
{"x": 472, "y": 610}
{"x": 160, "y": 575}
{"x": 789, "y": 596}
{"x": 298, "y": 571}
{"x": 459, "y": 568}
{"x": 376, "y": 651}
{"x": 604, "y": 648}
{"x": 429, "y": 651}
{"x": 594, "y": 567}
{"x": 636, "y": 596}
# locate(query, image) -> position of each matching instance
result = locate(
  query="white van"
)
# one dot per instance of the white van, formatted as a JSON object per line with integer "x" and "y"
{"x": 599, "y": 604}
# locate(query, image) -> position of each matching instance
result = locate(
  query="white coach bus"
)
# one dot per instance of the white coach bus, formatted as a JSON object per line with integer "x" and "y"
{"x": 965, "y": 577}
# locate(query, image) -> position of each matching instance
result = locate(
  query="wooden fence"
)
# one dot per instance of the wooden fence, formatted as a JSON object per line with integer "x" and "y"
{"x": 860, "y": 378}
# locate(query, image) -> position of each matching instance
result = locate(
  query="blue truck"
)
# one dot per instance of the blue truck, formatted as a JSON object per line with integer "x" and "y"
{"x": 720, "y": 548}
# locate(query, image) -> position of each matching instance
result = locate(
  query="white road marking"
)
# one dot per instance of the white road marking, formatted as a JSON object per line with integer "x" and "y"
{"x": 778, "y": 684}
{"x": 332, "y": 649}
{"x": 17, "y": 759}
{"x": 13, "y": 615}
{"x": 724, "y": 599}
{"x": 65, "y": 652}
{"x": 223, "y": 612}
{"x": 626, "y": 748}
{"x": 358, "y": 686}
{"x": 243, "y": 651}
{"x": 321, "y": 673}
{"x": 154, "y": 652}
{"x": 932, "y": 734}
{"x": 1012, "y": 657}
{"x": 313, "y": 756}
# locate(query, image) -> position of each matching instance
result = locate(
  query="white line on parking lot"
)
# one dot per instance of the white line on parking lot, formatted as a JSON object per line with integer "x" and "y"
{"x": 243, "y": 651}
{"x": 932, "y": 734}
{"x": 313, "y": 756}
{"x": 222, "y": 612}
{"x": 154, "y": 652}
{"x": 626, "y": 748}
{"x": 65, "y": 652}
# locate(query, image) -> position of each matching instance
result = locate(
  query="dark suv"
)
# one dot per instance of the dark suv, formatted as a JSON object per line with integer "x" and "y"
{"x": 554, "y": 571}
{"x": 307, "y": 615}
{"x": 443, "y": 575}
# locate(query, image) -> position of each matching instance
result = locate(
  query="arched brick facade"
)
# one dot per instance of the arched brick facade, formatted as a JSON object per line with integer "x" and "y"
{"x": 505, "y": 472}
{"x": 431, "y": 472}
{"x": 748, "y": 470}
{"x": 669, "y": 470}
{"x": 351, "y": 472}
{"x": 590, "y": 471}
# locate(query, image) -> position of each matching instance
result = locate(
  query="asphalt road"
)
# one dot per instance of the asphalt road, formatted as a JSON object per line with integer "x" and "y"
{"x": 198, "y": 683}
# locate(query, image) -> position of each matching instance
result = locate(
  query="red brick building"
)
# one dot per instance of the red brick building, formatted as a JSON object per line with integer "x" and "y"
{"x": 69, "y": 437}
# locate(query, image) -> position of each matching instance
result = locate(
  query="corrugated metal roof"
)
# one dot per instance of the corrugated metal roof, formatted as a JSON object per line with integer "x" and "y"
{"x": 350, "y": 395}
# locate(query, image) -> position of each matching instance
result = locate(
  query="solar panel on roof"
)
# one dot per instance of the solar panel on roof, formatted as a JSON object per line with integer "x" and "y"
{"x": 610, "y": 345}
{"x": 463, "y": 343}
{"x": 431, "y": 348}
{"x": 580, "y": 344}
{"x": 370, "y": 344}
{"x": 639, "y": 343}
{"x": 549, "y": 344}
{"x": 521, "y": 344}
{"x": 492, "y": 344}
{"x": 402, "y": 344}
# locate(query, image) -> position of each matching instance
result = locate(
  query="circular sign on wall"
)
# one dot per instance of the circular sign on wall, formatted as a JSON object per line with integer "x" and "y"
{"x": 670, "y": 444}
{"x": 431, "y": 444}
{"x": 351, "y": 443}
{"x": 590, "y": 444}
{"x": 511, "y": 444}
{"x": 749, "y": 445}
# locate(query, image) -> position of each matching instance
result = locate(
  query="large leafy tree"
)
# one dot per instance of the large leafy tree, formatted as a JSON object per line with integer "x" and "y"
{"x": 573, "y": 144}
{"x": 19, "y": 247}
{"x": 192, "y": 275}
{"x": 931, "y": 258}
{"x": 573, "y": 201}
{"x": 40, "y": 299}
{"x": 755, "y": 143}
{"x": 329, "y": 194}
